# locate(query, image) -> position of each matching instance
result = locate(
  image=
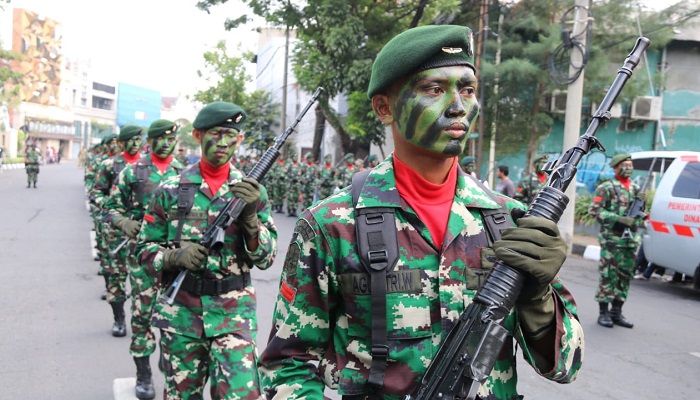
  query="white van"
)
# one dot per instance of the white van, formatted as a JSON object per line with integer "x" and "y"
{"x": 672, "y": 238}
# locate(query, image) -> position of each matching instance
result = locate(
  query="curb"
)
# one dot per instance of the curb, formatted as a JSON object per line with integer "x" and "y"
{"x": 590, "y": 252}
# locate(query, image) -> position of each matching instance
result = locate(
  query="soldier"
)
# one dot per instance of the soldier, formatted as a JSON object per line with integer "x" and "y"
{"x": 326, "y": 178}
{"x": 276, "y": 178}
{"x": 208, "y": 333}
{"x": 293, "y": 190}
{"x": 309, "y": 180}
{"x": 327, "y": 314}
{"x": 180, "y": 157}
{"x": 372, "y": 160}
{"x": 114, "y": 267}
{"x": 32, "y": 157}
{"x": 528, "y": 187}
{"x": 618, "y": 240}
{"x": 345, "y": 173}
{"x": 126, "y": 206}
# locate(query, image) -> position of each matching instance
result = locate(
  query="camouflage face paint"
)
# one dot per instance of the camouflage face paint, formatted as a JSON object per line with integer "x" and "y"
{"x": 436, "y": 109}
{"x": 218, "y": 145}
{"x": 539, "y": 166}
{"x": 114, "y": 147}
{"x": 625, "y": 169}
{"x": 163, "y": 146}
{"x": 133, "y": 145}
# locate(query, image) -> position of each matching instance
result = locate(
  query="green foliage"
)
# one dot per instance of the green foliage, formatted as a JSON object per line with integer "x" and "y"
{"x": 260, "y": 126}
{"x": 225, "y": 75}
{"x": 185, "y": 138}
{"x": 581, "y": 209}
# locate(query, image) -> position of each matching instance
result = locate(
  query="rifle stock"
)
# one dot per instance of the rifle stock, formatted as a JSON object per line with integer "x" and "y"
{"x": 467, "y": 356}
{"x": 213, "y": 236}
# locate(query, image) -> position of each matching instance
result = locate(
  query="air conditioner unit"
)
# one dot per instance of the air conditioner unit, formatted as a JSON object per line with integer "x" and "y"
{"x": 615, "y": 110}
{"x": 646, "y": 108}
{"x": 558, "y": 102}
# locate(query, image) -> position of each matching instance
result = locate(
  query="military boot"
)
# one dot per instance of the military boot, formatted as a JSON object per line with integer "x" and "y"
{"x": 119, "y": 327}
{"x": 29, "y": 184}
{"x": 144, "y": 381}
{"x": 617, "y": 317}
{"x": 604, "y": 317}
{"x": 34, "y": 184}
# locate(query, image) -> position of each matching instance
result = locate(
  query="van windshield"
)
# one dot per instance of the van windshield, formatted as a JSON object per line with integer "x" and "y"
{"x": 688, "y": 183}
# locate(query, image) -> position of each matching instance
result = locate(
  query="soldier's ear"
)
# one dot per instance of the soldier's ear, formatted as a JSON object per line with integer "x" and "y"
{"x": 197, "y": 135}
{"x": 382, "y": 107}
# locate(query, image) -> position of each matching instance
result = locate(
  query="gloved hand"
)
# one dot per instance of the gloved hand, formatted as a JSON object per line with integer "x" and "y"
{"x": 536, "y": 248}
{"x": 189, "y": 255}
{"x": 628, "y": 222}
{"x": 130, "y": 227}
{"x": 248, "y": 190}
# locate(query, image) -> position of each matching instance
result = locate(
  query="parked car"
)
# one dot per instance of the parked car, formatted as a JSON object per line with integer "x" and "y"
{"x": 672, "y": 237}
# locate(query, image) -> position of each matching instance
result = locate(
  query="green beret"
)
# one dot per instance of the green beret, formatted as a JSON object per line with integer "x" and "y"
{"x": 161, "y": 127}
{"x": 308, "y": 155}
{"x": 128, "y": 131}
{"x": 219, "y": 113}
{"x": 467, "y": 160}
{"x": 540, "y": 157}
{"x": 349, "y": 156}
{"x": 418, "y": 49}
{"x": 108, "y": 138}
{"x": 620, "y": 158}
{"x": 371, "y": 157}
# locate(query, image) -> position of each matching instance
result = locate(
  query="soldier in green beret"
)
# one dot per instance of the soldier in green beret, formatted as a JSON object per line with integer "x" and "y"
{"x": 372, "y": 160}
{"x": 618, "y": 240}
{"x": 126, "y": 206}
{"x": 310, "y": 173}
{"x": 327, "y": 318}
{"x": 528, "y": 187}
{"x": 326, "y": 177}
{"x": 124, "y": 150}
{"x": 468, "y": 164}
{"x": 209, "y": 332}
{"x": 32, "y": 158}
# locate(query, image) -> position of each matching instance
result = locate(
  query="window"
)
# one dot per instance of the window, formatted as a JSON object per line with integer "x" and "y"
{"x": 688, "y": 182}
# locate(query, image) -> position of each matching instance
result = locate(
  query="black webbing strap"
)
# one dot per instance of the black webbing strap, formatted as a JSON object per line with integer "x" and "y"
{"x": 185, "y": 201}
{"x": 378, "y": 249}
{"x": 141, "y": 173}
{"x": 495, "y": 221}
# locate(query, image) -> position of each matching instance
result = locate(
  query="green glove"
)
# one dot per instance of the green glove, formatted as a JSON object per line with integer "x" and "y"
{"x": 130, "y": 227}
{"x": 189, "y": 255}
{"x": 628, "y": 222}
{"x": 536, "y": 248}
{"x": 248, "y": 190}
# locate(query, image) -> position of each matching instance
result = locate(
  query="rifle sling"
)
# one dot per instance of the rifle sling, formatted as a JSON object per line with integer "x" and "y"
{"x": 185, "y": 201}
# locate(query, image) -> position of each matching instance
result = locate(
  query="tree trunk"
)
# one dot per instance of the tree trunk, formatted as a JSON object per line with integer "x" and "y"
{"x": 348, "y": 144}
{"x": 318, "y": 133}
{"x": 532, "y": 142}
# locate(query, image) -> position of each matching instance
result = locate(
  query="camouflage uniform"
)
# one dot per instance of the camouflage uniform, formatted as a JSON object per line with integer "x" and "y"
{"x": 617, "y": 254}
{"x": 276, "y": 179}
{"x": 130, "y": 196}
{"x": 309, "y": 183}
{"x": 207, "y": 335}
{"x": 323, "y": 311}
{"x": 325, "y": 180}
{"x": 31, "y": 165}
{"x": 114, "y": 265}
{"x": 294, "y": 178}
{"x": 528, "y": 188}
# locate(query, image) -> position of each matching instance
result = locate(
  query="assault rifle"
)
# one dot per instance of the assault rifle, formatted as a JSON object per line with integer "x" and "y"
{"x": 637, "y": 207}
{"x": 213, "y": 237}
{"x": 466, "y": 357}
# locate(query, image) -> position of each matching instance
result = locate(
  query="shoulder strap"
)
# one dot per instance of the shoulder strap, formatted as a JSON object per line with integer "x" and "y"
{"x": 495, "y": 221}
{"x": 378, "y": 248}
{"x": 185, "y": 201}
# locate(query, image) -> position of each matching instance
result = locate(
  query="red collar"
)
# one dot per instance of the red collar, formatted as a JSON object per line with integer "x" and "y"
{"x": 131, "y": 159}
{"x": 214, "y": 176}
{"x": 161, "y": 163}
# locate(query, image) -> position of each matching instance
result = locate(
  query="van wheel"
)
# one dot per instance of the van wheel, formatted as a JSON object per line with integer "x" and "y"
{"x": 696, "y": 278}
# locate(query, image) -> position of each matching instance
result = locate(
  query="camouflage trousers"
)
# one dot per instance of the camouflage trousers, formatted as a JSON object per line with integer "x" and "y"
{"x": 116, "y": 266}
{"x": 309, "y": 191}
{"x": 293, "y": 193}
{"x": 32, "y": 172}
{"x": 615, "y": 269}
{"x": 228, "y": 362}
{"x": 324, "y": 191}
{"x": 144, "y": 293}
{"x": 277, "y": 194}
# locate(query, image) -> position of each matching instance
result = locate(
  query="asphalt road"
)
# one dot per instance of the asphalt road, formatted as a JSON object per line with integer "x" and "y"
{"x": 55, "y": 340}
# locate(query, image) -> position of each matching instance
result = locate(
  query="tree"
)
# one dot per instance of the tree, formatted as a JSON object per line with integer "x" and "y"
{"x": 228, "y": 78}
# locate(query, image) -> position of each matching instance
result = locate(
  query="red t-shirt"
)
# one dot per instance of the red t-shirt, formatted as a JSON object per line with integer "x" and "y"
{"x": 431, "y": 202}
{"x": 214, "y": 177}
{"x": 161, "y": 163}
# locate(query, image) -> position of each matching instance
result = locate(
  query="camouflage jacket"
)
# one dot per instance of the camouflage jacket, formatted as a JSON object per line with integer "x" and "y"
{"x": 528, "y": 188}
{"x": 105, "y": 176}
{"x": 135, "y": 186}
{"x": 610, "y": 202}
{"x": 91, "y": 169}
{"x": 323, "y": 311}
{"x": 205, "y": 316}
{"x": 32, "y": 156}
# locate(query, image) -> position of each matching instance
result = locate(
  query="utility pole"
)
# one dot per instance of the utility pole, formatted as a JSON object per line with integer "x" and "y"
{"x": 572, "y": 119}
{"x": 283, "y": 122}
{"x": 492, "y": 143}
{"x": 483, "y": 35}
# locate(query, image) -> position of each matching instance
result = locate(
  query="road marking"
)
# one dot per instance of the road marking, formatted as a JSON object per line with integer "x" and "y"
{"x": 695, "y": 354}
{"x": 123, "y": 389}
